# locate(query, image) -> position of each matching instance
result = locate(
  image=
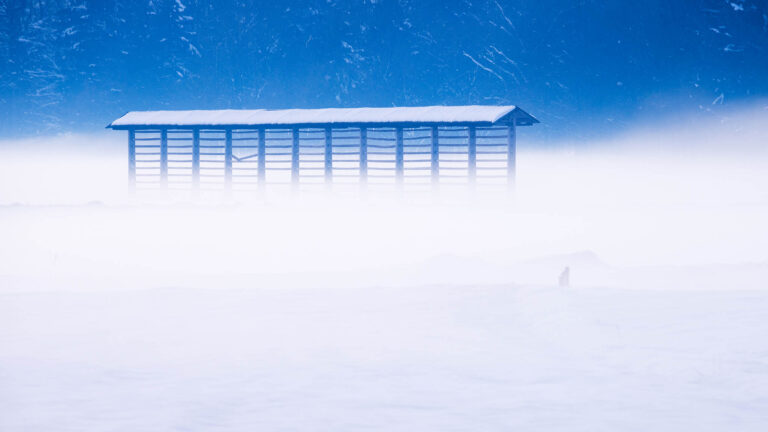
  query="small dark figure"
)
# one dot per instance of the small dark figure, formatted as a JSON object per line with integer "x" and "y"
{"x": 565, "y": 277}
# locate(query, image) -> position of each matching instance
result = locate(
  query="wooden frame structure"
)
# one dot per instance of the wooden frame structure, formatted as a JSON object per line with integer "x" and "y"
{"x": 236, "y": 149}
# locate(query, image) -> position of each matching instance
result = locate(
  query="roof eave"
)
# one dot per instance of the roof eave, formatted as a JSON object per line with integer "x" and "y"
{"x": 297, "y": 125}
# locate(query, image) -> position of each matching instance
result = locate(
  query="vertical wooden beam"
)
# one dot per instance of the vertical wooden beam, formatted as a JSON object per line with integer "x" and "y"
{"x": 295, "y": 158}
{"x": 328, "y": 156}
{"x": 132, "y": 159}
{"x": 228, "y": 159}
{"x": 196, "y": 159}
{"x": 262, "y": 161}
{"x": 511, "y": 154}
{"x": 472, "y": 155}
{"x": 435, "y": 157}
{"x": 363, "y": 156}
{"x": 399, "y": 164}
{"x": 164, "y": 157}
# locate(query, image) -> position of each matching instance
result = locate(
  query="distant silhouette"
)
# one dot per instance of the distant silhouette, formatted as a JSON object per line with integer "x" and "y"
{"x": 565, "y": 277}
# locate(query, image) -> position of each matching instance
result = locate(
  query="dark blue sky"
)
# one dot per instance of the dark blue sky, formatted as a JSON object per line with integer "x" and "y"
{"x": 583, "y": 67}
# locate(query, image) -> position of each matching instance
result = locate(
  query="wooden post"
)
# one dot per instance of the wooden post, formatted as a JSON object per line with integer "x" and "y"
{"x": 472, "y": 155}
{"x": 131, "y": 160}
{"x": 196, "y": 159}
{"x": 262, "y": 161}
{"x": 399, "y": 165}
{"x": 228, "y": 159}
{"x": 328, "y": 156}
{"x": 295, "y": 159}
{"x": 435, "y": 157}
{"x": 164, "y": 158}
{"x": 511, "y": 150}
{"x": 363, "y": 156}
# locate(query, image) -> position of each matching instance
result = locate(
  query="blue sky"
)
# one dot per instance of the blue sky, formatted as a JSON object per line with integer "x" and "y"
{"x": 583, "y": 67}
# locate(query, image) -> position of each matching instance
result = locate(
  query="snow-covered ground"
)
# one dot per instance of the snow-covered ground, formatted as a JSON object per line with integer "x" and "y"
{"x": 417, "y": 358}
{"x": 393, "y": 314}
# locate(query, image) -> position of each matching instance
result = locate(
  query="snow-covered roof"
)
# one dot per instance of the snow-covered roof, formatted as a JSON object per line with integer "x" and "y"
{"x": 262, "y": 117}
